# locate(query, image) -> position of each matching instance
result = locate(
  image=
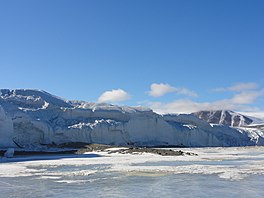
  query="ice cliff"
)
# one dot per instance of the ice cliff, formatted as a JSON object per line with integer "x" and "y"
{"x": 31, "y": 118}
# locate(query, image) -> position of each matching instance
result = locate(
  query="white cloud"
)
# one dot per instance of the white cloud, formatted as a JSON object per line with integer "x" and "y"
{"x": 247, "y": 97}
{"x": 239, "y": 102}
{"x": 161, "y": 89}
{"x": 239, "y": 87}
{"x": 157, "y": 90}
{"x": 256, "y": 114}
{"x": 188, "y": 106}
{"x": 187, "y": 92}
{"x": 116, "y": 95}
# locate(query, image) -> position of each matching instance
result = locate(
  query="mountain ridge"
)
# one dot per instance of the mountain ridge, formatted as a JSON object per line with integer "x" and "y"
{"x": 35, "y": 118}
{"x": 226, "y": 117}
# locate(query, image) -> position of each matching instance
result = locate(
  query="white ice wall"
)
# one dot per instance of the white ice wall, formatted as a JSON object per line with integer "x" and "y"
{"x": 30, "y": 123}
{"x": 6, "y": 130}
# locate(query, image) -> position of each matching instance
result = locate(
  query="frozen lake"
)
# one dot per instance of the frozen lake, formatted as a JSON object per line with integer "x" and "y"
{"x": 215, "y": 172}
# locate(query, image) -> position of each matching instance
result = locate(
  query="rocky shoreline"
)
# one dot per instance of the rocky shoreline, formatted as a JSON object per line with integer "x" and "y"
{"x": 81, "y": 148}
{"x": 126, "y": 150}
{"x": 162, "y": 152}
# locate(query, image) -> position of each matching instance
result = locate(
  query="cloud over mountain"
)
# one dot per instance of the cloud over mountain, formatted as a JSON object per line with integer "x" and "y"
{"x": 161, "y": 89}
{"x": 115, "y": 95}
{"x": 244, "y": 95}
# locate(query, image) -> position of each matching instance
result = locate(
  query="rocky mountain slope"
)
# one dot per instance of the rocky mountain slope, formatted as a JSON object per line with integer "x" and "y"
{"x": 225, "y": 117}
{"x": 35, "y": 118}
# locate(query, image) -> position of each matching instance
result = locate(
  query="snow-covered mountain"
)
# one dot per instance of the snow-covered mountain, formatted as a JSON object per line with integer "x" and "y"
{"x": 34, "y": 118}
{"x": 225, "y": 117}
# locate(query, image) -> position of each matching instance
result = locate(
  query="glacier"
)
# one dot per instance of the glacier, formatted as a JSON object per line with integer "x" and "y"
{"x": 34, "y": 118}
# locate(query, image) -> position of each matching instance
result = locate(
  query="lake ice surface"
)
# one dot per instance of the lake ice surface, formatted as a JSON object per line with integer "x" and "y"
{"x": 215, "y": 172}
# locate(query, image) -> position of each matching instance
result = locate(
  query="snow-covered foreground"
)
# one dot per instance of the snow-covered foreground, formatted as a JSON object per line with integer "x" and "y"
{"x": 236, "y": 171}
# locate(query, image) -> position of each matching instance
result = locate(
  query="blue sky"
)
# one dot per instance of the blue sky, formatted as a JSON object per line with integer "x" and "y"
{"x": 173, "y": 56}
